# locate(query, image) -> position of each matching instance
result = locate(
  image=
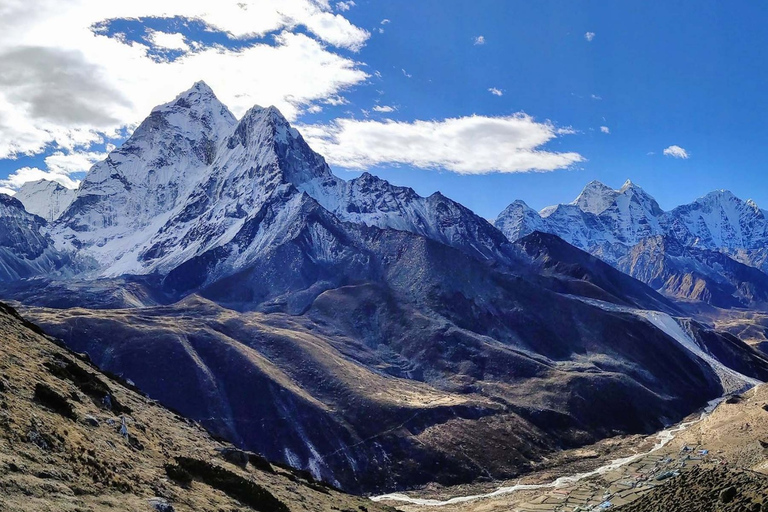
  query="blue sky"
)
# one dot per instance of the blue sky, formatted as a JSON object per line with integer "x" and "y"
{"x": 688, "y": 74}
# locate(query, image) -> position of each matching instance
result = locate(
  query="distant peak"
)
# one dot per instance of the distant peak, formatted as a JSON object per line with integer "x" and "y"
{"x": 43, "y": 183}
{"x": 627, "y": 185}
{"x": 597, "y": 184}
{"x": 201, "y": 86}
{"x": 197, "y": 103}
{"x": 264, "y": 122}
{"x": 198, "y": 88}
{"x": 198, "y": 97}
{"x": 718, "y": 195}
{"x": 595, "y": 198}
{"x": 518, "y": 206}
{"x": 366, "y": 177}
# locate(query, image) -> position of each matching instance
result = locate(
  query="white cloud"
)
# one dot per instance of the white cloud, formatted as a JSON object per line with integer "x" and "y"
{"x": 676, "y": 152}
{"x": 168, "y": 41}
{"x": 345, "y": 6}
{"x": 605, "y": 129}
{"x": 589, "y": 36}
{"x": 60, "y": 166}
{"x": 385, "y": 21}
{"x": 64, "y": 83}
{"x": 495, "y": 91}
{"x": 465, "y": 145}
{"x": 480, "y": 40}
{"x": 336, "y": 101}
{"x": 25, "y": 174}
{"x": 71, "y": 163}
{"x": 7, "y": 191}
{"x": 405, "y": 73}
{"x": 595, "y": 97}
{"x": 384, "y": 108}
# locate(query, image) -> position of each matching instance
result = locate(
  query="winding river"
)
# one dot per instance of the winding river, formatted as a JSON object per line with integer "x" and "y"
{"x": 732, "y": 382}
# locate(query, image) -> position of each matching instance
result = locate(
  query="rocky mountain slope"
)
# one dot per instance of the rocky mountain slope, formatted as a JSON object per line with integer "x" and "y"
{"x": 26, "y": 250}
{"x": 75, "y": 439}
{"x": 373, "y": 337}
{"x": 711, "y": 250}
{"x": 45, "y": 198}
{"x": 378, "y": 386}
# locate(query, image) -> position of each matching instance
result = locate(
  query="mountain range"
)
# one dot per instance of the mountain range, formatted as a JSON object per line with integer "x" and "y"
{"x": 354, "y": 329}
{"x": 712, "y": 250}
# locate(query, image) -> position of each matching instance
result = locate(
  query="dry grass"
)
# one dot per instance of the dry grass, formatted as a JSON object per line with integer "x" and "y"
{"x": 51, "y": 461}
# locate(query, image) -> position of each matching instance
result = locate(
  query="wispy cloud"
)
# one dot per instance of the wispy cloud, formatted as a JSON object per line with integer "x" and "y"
{"x": 589, "y": 36}
{"x": 605, "y": 129}
{"x": 675, "y": 151}
{"x": 465, "y": 145}
{"x": 60, "y": 166}
{"x": 168, "y": 41}
{"x": 405, "y": 73}
{"x": 384, "y": 109}
{"x": 386, "y": 21}
{"x": 479, "y": 40}
{"x": 495, "y": 91}
{"x": 345, "y": 6}
{"x": 595, "y": 97}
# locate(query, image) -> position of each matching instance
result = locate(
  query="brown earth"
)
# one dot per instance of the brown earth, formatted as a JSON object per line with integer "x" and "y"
{"x": 707, "y": 489}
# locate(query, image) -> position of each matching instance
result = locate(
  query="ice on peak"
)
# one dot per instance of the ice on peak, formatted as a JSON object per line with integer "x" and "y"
{"x": 45, "y": 198}
{"x": 259, "y": 120}
{"x": 199, "y": 103}
{"x": 202, "y": 87}
{"x": 627, "y": 185}
{"x": 200, "y": 91}
{"x": 549, "y": 210}
{"x": 595, "y": 198}
{"x": 719, "y": 194}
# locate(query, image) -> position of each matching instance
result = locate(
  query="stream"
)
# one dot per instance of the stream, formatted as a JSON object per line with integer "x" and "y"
{"x": 662, "y": 439}
{"x": 731, "y": 380}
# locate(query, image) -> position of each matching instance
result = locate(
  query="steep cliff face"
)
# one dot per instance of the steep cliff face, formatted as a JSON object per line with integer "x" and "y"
{"x": 25, "y": 248}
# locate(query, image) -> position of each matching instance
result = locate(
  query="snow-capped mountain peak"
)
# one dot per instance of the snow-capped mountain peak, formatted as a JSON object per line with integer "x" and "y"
{"x": 596, "y": 197}
{"x": 192, "y": 178}
{"x": 626, "y": 186}
{"x": 45, "y": 198}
